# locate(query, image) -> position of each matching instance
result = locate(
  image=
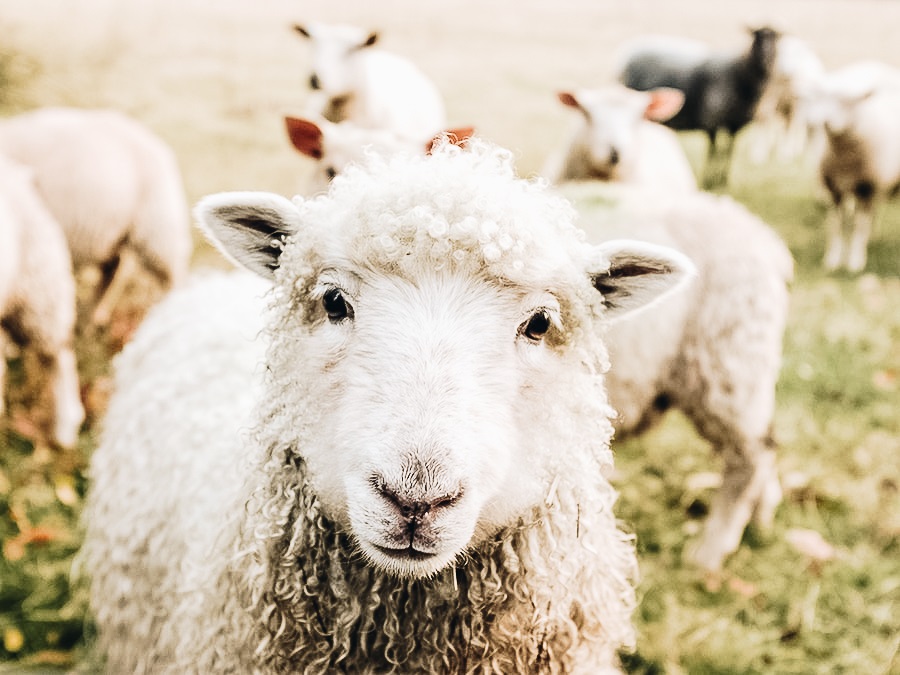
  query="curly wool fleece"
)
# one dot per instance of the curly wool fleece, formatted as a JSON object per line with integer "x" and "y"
{"x": 285, "y": 588}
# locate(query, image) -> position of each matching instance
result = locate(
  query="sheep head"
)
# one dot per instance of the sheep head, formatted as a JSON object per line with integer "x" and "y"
{"x": 334, "y": 46}
{"x": 611, "y": 118}
{"x": 437, "y": 355}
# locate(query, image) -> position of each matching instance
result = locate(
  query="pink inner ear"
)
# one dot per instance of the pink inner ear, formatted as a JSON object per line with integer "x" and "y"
{"x": 568, "y": 99}
{"x": 457, "y": 136}
{"x": 664, "y": 104}
{"x": 306, "y": 136}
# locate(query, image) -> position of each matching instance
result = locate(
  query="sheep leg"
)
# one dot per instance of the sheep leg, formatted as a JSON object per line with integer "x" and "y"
{"x": 834, "y": 228}
{"x": 745, "y": 480}
{"x": 861, "y": 230}
{"x": 113, "y": 289}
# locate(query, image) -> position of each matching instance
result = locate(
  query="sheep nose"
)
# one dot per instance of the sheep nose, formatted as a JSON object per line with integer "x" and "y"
{"x": 314, "y": 82}
{"x": 414, "y": 509}
{"x": 613, "y": 156}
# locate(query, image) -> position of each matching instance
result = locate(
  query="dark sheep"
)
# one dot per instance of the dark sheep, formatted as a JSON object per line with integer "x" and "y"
{"x": 721, "y": 91}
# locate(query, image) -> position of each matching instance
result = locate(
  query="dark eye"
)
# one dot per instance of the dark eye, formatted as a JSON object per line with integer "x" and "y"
{"x": 330, "y": 172}
{"x": 536, "y": 327}
{"x": 336, "y": 306}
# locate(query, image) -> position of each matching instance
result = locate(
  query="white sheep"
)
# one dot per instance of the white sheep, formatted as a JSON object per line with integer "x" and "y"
{"x": 37, "y": 306}
{"x": 399, "y": 468}
{"x": 335, "y": 146}
{"x": 713, "y": 352}
{"x": 116, "y": 190}
{"x": 618, "y": 139}
{"x": 859, "y": 108}
{"x": 782, "y": 118}
{"x": 353, "y": 80}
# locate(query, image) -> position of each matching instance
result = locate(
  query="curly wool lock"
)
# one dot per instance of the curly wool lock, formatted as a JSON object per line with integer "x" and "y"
{"x": 411, "y": 483}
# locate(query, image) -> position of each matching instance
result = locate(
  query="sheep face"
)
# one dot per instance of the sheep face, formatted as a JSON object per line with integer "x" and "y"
{"x": 426, "y": 350}
{"x": 334, "y": 47}
{"x": 612, "y": 119}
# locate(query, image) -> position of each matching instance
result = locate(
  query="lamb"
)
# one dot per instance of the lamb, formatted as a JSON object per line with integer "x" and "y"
{"x": 116, "y": 190}
{"x": 37, "y": 307}
{"x": 619, "y": 139}
{"x": 353, "y": 80}
{"x": 714, "y": 352}
{"x": 782, "y": 114}
{"x": 335, "y": 146}
{"x": 721, "y": 91}
{"x": 860, "y": 167}
{"x": 397, "y": 466}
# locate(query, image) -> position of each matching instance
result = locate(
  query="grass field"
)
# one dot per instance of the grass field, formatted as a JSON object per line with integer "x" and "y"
{"x": 214, "y": 79}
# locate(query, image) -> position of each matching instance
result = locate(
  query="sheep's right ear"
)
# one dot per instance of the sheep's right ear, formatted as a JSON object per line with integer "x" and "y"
{"x": 664, "y": 103}
{"x": 249, "y": 228}
{"x": 303, "y": 30}
{"x": 569, "y": 99}
{"x": 635, "y": 274}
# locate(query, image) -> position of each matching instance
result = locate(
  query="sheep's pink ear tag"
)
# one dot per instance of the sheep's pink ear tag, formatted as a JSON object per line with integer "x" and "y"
{"x": 457, "y": 136}
{"x": 305, "y": 136}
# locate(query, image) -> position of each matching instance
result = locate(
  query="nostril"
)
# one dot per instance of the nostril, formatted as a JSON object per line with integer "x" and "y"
{"x": 613, "y": 156}
{"x": 314, "y": 82}
{"x": 413, "y": 508}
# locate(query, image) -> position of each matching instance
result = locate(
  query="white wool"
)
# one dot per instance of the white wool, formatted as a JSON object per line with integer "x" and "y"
{"x": 37, "y": 302}
{"x": 713, "y": 350}
{"x": 113, "y": 186}
{"x": 244, "y": 508}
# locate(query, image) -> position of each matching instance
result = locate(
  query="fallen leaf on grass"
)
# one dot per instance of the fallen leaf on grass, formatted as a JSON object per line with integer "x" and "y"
{"x": 13, "y": 639}
{"x": 810, "y": 543}
{"x": 14, "y": 548}
{"x": 884, "y": 380}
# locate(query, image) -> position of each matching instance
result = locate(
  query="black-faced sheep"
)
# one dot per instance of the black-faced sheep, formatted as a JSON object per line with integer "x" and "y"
{"x": 353, "y": 80}
{"x": 115, "y": 189}
{"x": 712, "y": 351}
{"x": 619, "y": 139}
{"x": 37, "y": 306}
{"x": 721, "y": 91}
{"x": 398, "y": 467}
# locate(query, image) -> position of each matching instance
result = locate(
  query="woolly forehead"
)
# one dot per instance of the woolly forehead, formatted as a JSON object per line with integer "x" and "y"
{"x": 457, "y": 210}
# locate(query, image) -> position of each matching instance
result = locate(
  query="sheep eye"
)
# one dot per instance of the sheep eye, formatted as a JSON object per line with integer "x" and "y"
{"x": 336, "y": 306}
{"x": 330, "y": 172}
{"x": 536, "y": 327}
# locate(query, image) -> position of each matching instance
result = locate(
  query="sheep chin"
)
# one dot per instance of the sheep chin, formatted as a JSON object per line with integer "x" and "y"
{"x": 407, "y": 563}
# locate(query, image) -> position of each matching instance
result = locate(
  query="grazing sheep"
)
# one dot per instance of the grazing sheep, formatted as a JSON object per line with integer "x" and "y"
{"x": 352, "y": 80}
{"x": 721, "y": 91}
{"x": 860, "y": 167}
{"x": 619, "y": 139}
{"x": 782, "y": 113}
{"x": 37, "y": 306}
{"x": 713, "y": 352}
{"x": 334, "y": 146}
{"x": 116, "y": 190}
{"x": 399, "y": 467}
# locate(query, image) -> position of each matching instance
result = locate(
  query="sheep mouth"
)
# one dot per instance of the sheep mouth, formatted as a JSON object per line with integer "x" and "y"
{"x": 407, "y": 554}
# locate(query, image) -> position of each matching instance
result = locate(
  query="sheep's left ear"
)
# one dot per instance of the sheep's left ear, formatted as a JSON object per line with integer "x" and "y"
{"x": 638, "y": 274}
{"x": 249, "y": 228}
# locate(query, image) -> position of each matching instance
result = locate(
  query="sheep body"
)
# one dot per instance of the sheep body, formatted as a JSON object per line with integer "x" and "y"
{"x": 619, "y": 139}
{"x": 37, "y": 304}
{"x": 115, "y": 189}
{"x": 721, "y": 91}
{"x": 782, "y": 113}
{"x": 352, "y": 80}
{"x": 860, "y": 168}
{"x": 387, "y": 492}
{"x": 713, "y": 351}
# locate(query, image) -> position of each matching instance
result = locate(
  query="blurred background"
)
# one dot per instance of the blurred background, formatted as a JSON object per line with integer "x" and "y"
{"x": 214, "y": 80}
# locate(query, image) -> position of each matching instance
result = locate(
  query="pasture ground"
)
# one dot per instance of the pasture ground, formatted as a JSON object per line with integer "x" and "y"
{"x": 214, "y": 80}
